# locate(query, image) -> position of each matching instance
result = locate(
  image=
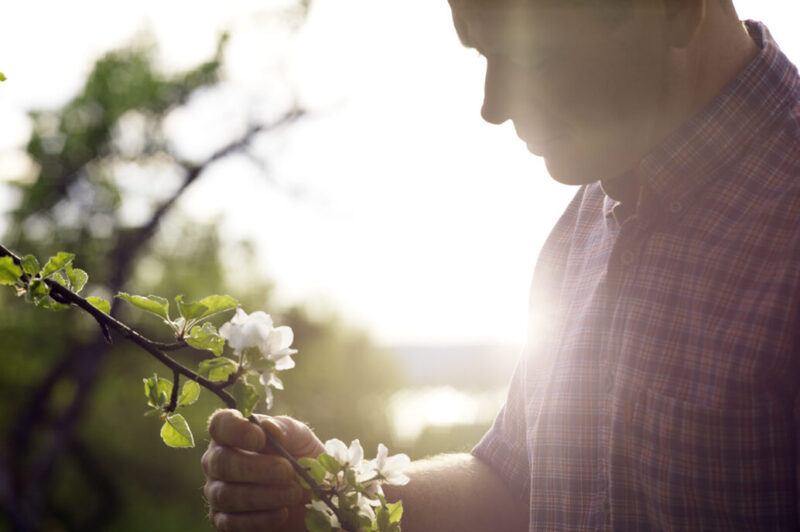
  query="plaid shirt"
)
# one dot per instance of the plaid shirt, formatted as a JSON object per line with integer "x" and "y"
{"x": 659, "y": 387}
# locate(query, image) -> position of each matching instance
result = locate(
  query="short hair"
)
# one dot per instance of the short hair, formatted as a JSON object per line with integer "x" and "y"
{"x": 609, "y": 12}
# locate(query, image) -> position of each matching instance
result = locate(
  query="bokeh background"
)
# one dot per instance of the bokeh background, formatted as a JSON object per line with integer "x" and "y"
{"x": 322, "y": 160}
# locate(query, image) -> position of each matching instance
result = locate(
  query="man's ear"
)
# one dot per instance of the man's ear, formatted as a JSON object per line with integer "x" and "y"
{"x": 683, "y": 20}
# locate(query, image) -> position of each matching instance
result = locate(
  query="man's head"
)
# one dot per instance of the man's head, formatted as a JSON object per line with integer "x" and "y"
{"x": 585, "y": 82}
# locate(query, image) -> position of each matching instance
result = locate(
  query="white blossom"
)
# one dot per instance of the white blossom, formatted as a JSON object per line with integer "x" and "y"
{"x": 322, "y": 508}
{"x": 244, "y": 331}
{"x": 352, "y": 456}
{"x": 390, "y": 468}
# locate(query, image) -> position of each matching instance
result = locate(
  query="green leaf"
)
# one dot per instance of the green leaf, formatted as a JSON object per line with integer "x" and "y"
{"x": 382, "y": 518}
{"x": 246, "y": 396}
{"x": 37, "y": 290}
{"x": 217, "y": 369}
{"x": 189, "y": 311}
{"x": 153, "y": 304}
{"x": 3, "y": 77}
{"x": 77, "y": 277}
{"x": 48, "y": 304}
{"x": 176, "y": 432}
{"x": 216, "y": 304}
{"x": 317, "y": 522}
{"x": 206, "y": 307}
{"x": 57, "y": 277}
{"x": 56, "y": 262}
{"x": 9, "y": 272}
{"x": 30, "y": 265}
{"x": 189, "y": 393}
{"x": 395, "y": 511}
{"x": 100, "y": 303}
{"x": 314, "y": 468}
{"x": 206, "y": 337}
{"x": 330, "y": 463}
{"x": 157, "y": 390}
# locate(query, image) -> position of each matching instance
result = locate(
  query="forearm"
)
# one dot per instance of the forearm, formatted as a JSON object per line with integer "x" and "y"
{"x": 457, "y": 492}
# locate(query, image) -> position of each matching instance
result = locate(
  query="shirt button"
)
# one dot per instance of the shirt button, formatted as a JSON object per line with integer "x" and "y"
{"x": 627, "y": 257}
{"x": 675, "y": 207}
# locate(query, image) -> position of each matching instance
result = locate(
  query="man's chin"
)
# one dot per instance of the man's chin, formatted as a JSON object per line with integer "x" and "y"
{"x": 572, "y": 169}
{"x": 568, "y": 172}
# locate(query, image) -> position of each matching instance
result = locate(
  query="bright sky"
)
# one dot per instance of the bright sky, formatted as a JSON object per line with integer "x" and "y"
{"x": 413, "y": 218}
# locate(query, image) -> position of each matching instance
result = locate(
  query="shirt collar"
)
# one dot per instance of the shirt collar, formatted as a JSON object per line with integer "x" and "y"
{"x": 698, "y": 151}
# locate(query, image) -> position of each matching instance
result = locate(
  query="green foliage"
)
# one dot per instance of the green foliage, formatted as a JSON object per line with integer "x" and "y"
{"x": 3, "y": 77}
{"x": 9, "y": 272}
{"x": 57, "y": 262}
{"x": 205, "y": 308}
{"x": 29, "y": 265}
{"x": 206, "y": 337}
{"x": 100, "y": 303}
{"x": 246, "y": 395}
{"x": 217, "y": 369}
{"x": 153, "y": 304}
{"x": 189, "y": 393}
{"x": 176, "y": 433}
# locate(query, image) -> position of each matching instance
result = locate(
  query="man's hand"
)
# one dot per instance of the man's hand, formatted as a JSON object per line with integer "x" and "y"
{"x": 248, "y": 487}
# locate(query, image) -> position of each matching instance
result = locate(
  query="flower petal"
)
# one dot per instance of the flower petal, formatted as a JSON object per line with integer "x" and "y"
{"x": 355, "y": 453}
{"x": 284, "y": 363}
{"x": 337, "y": 449}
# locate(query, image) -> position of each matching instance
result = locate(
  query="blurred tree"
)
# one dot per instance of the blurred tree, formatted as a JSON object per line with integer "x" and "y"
{"x": 76, "y": 452}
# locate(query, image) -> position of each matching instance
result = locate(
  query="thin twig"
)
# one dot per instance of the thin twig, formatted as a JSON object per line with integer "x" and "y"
{"x": 70, "y": 297}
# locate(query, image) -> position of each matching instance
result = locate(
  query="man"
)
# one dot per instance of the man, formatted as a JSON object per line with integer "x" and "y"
{"x": 659, "y": 385}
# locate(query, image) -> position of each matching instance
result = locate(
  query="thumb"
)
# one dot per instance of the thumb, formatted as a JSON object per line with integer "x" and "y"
{"x": 294, "y": 436}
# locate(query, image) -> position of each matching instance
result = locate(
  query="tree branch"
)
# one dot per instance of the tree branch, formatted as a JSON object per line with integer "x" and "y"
{"x": 106, "y": 320}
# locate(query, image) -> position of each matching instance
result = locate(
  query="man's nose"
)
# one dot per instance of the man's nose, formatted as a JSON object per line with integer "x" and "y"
{"x": 496, "y": 93}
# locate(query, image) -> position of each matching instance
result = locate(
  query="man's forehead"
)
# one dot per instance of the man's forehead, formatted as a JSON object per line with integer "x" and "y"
{"x": 481, "y": 23}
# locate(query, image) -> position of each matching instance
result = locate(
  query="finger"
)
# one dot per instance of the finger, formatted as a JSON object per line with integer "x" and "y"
{"x": 228, "y": 427}
{"x": 242, "y": 522}
{"x": 293, "y": 435}
{"x": 235, "y": 465}
{"x": 238, "y": 498}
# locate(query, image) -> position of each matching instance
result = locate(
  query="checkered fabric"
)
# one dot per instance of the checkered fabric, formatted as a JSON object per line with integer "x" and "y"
{"x": 659, "y": 387}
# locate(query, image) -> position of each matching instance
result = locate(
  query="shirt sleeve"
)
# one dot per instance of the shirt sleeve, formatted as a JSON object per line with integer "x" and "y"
{"x": 504, "y": 447}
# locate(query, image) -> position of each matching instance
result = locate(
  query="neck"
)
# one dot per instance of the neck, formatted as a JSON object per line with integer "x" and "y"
{"x": 697, "y": 72}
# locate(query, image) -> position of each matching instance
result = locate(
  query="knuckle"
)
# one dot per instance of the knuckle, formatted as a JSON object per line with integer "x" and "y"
{"x": 217, "y": 463}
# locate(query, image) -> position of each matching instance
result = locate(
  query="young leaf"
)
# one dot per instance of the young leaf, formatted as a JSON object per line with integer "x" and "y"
{"x": 216, "y": 304}
{"x": 395, "y": 511}
{"x": 206, "y": 337}
{"x": 246, "y": 396}
{"x": 153, "y": 304}
{"x": 316, "y": 521}
{"x": 37, "y": 290}
{"x": 77, "y": 278}
{"x": 56, "y": 262}
{"x": 157, "y": 390}
{"x": 9, "y": 272}
{"x": 30, "y": 265}
{"x": 48, "y": 304}
{"x": 100, "y": 303}
{"x": 3, "y": 77}
{"x": 57, "y": 277}
{"x": 314, "y": 468}
{"x": 189, "y": 311}
{"x": 329, "y": 462}
{"x": 189, "y": 393}
{"x": 176, "y": 432}
{"x": 217, "y": 369}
